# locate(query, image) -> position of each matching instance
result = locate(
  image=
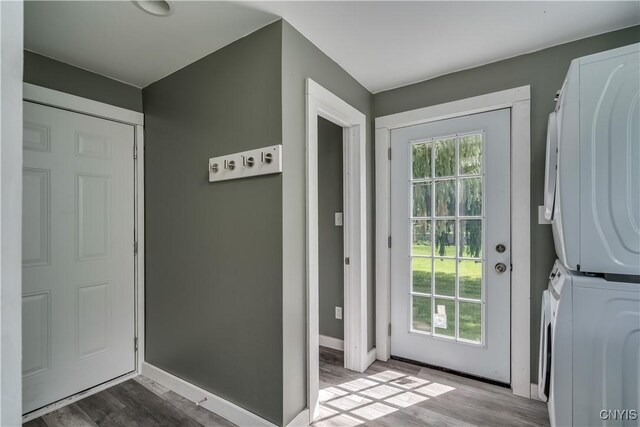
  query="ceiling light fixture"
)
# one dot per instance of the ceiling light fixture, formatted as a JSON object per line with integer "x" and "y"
{"x": 155, "y": 7}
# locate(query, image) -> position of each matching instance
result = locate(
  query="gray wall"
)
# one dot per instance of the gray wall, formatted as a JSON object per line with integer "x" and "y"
{"x": 214, "y": 250}
{"x": 544, "y": 71}
{"x": 47, "y": 72}
{"x": 301, "y": 59}
{"x": 331, "y": 237}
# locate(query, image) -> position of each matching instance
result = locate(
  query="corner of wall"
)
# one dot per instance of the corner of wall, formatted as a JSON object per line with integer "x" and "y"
{"x": 301, "y": 60}
{"x": 293, "y": 269}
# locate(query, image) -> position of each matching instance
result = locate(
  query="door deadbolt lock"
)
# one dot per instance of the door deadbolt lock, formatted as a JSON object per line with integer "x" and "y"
{"x": 501, "y": 267}
{"x": 500, "y": 248}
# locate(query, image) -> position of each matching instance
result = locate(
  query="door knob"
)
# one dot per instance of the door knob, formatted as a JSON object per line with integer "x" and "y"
{"x": 501, "y": 267}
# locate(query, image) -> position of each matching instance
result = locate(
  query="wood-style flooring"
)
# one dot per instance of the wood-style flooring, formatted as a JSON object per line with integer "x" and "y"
{"x": 136, "y": 402}
{"x": 391, "y": 394}
{"x": 398, "y": 394}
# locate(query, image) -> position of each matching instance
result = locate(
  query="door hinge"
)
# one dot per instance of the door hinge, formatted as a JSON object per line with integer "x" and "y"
{"x": 389, "y": 153}
{"x": 389, "y": 242}
{"x": 389, "y": 329}
{"x": 135, "y": 343}
{"x": 135, "y": 151}
{"x": 347, "y": 261}
{"x": 135, "y": 248}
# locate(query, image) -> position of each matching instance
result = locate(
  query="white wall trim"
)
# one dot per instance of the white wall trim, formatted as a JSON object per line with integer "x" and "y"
{"x": 477, "y": 104}
{"x": 301, "y": 420}
{"x": 535, "y": 395}
{"x": 80, "y": 105}
{"x": 321, "y": 102}
{"x": 331, "y": 342}
{"x": 214, "y": 403}
{"x": 71, "y": 399}
{"x": 371, "y": 356}
{"x": 11, "y": 44}
{"x": 54, "y": 98}
{"x": 139, "y": 236}
{"x": 383, "y": 252}
{"x": 518, "y": 100}
{"x": 520, "y": 247}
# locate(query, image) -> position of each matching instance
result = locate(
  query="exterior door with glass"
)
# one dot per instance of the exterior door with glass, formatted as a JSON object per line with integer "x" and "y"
{"x": 450, "y": 258}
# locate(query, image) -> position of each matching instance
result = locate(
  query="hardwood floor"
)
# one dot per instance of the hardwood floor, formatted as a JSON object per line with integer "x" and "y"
{"x": 137, "y": 402}
{"x": 398, "y": 394}
{"x": 391, "y": 394}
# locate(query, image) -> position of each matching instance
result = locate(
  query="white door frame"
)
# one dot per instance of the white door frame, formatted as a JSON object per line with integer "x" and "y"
{"x": 65, "y": 101}
{"x": 518, "y": 100}
{"x": 321, "y": 102}
{"x": 11, "y": 61}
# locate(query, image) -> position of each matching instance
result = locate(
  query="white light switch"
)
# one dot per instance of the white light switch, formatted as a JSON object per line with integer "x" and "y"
{"x": 339, "y": 313}
{"x": 338, "y": 219}
{"x": 541, "y": 219}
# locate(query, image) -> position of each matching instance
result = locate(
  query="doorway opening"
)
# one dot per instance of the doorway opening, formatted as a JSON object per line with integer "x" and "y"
{"x": 331, "y": 243}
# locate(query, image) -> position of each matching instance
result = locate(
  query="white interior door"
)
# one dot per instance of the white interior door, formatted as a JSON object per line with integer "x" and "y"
{"x": 450, "y": 258}
{"x": 78, "y": 260}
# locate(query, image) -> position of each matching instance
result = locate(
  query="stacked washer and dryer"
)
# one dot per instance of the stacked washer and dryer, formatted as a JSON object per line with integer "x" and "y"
{"x": 589, "y": 368}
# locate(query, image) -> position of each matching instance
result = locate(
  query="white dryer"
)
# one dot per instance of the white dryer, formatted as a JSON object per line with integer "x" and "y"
{"x": 593, "y": 197}
{"x": 589, "y": 366}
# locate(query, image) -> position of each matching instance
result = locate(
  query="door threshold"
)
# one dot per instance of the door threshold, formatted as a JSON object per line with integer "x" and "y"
{"x": 452, "y": 371}
{"x": 77, "y": 396}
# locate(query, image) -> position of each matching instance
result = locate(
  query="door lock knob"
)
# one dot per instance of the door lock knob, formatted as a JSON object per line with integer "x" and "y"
{"x": 501, "y": 267}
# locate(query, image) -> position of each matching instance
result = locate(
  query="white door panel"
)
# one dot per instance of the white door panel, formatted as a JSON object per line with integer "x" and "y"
{"x": 78, "y": 261}
{"x": 450, "y": 209}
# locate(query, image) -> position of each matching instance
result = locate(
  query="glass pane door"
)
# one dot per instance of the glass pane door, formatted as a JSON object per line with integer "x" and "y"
{"x": 446, "y": 185}
{"x": 450, "y": 227}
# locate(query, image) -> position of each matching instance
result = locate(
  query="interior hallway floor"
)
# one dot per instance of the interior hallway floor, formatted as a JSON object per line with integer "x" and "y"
{"x": 136, "y": 402}
{"x": 392, "y": 394}
{"x": 398, "y": 394}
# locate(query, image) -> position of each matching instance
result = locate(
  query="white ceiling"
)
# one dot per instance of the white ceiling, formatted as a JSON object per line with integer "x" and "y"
{"x": 382, "y": 44}
{"x": 118, "y": 40}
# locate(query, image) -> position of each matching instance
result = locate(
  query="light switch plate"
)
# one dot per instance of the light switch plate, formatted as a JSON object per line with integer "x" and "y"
{"x": 541, "y": 219}
{"x": 261, "y": 161}
{"x": 339, "y": 313}
{"x": 338, "y": 219}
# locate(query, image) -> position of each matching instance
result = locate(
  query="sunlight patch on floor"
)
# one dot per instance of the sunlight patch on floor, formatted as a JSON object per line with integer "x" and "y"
{"x": 357, "y": 401}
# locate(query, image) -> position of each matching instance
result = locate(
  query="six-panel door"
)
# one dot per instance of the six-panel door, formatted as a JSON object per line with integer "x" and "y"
{"x": 78, "y": 260}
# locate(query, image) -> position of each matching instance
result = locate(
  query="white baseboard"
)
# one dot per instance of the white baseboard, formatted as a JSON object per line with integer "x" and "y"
{"x": 213, "y": 403}
{"x": 535, "y": 395}
{"x": 334, "y": 343}
{"x": 371, "y": 356}
{"x": 301, "y": 420}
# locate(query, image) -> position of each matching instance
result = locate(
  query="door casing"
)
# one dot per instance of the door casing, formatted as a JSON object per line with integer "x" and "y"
{"x": 321, "y": 102}
{"x": 64, "y": 101}
{"x": 519, "y": 101}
